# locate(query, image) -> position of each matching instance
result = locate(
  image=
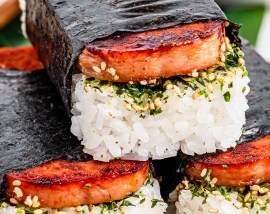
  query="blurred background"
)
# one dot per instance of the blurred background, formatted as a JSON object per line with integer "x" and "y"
{"x": 254, "y": 15}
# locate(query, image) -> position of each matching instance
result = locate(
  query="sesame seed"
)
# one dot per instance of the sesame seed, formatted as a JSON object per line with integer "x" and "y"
{"x": 4, "y": 204}
{"x": 214, "y": 180}
{"x": 216, "y": 193}
{"x": 195, "y": 95}
{"x": 139, "y": 108}
{"x": 16, "y": 183}
{"x": 195, "y": 73}
{"x": 247, "y": 197}
{"x": 260, "y": 201}
{"x": 262, "y": 190}
{"x": 129, "y": 100}
{"x": 128, "y": 106}
{"x": 87, "y": 88}
{"x": 210, "y": 70}
{"x": 220, "y": 197}
{"x": 179, "y": 187}
{"x": 38, "y": 211}
{"x": 167, "y": 82}
{"x": 13, "y": 201}
{"x": 213, "y": 210}
{"x": 152, "y": 106}
{"x": 186, "y": 79}
{"x": 203, "y": 75}
{"x": 54, "y": 211}
{"x": 78, "y": 208}
{"x": 130, "y": 82}
{"x": 91, "y": 207}
{"x": 157, "y": 103}
{"x": 254, "y": 192}
{"x": 229, "y": 47}
{"x": 112, "y": 71}
{"x": 103, "y": 66}
{"x": 28, "y": 201}
{"x": 96, "y": 69}
{"x": 223, "y": 47}
{"x": 238, "y": 204}
{"x": 211, "y": 77}
{"x": 36, "y": 204}
{"x": 227, "y": 40}
{"x": 222, "y": 64}
{"x": 222, "y": 58}
{"x": 227, "y": 24}
{"x": 35, "y": 199}
{"x": 241, "y": 61}
{"x": 143, "y": 82}
{"x": 242, "y": 188}
{"x": 210, "y": 87}
{"x": 255, "y": 188}
{"x": 169, "y": 87}
{"x": 116, "y": 77}
{"x": 245, "y": 210}
{"x": 203, "y": 173}
{"x": 185, "y": 182}
{"x": 18, "y": 192}
{"x": 248, "y": 205}
{"x": 176, "y": 89}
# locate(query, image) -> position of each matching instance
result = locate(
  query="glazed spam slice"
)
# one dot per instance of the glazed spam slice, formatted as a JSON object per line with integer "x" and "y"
{"x": 154, "y": 54}
{"x": 60, "y": 183}
{"x": 247, "y": 164}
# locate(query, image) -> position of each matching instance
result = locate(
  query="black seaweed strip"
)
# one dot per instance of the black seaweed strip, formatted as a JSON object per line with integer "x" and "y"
{"x": 34, "y": 127}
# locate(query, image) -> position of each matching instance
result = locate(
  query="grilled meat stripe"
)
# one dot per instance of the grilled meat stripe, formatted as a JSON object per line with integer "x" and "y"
{"x": 60, "y": 183}
{"x": 154, "y": 54}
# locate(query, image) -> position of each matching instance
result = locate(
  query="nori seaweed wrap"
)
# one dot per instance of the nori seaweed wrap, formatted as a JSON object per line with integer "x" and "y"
{"x": 60, "y": 29}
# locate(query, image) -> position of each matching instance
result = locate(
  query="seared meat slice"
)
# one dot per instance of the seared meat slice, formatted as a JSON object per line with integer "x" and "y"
{"x": 153, "y": 54}
{"x": 63, "y": 184}
{"x": 247, "y": 164}
{"x": 21, "y": 58}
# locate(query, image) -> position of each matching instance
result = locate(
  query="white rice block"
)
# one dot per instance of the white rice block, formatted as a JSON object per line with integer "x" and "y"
{"x": 196, "y": 126}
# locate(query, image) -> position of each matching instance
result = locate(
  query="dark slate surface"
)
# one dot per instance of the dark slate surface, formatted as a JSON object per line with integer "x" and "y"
{"x": 34, "y": 126}
{"x": 257, "y": 124}
{"x": 60, "y": 29}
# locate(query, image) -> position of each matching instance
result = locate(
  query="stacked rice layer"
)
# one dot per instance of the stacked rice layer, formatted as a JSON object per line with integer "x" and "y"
{"x": 197, "y": 113}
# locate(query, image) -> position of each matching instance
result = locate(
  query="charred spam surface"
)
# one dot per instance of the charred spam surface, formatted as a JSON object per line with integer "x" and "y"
{"x": 64, "y": 172}
{"x": 154, "y": 54}
{"x": 65, "y": 27}
{"x": 33, "y": 125}
{"x": 257, "y": 122}
{"x": 245, "y": 165}
{"x": 60, "y": 183}
{"x": 152, "y": 40}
